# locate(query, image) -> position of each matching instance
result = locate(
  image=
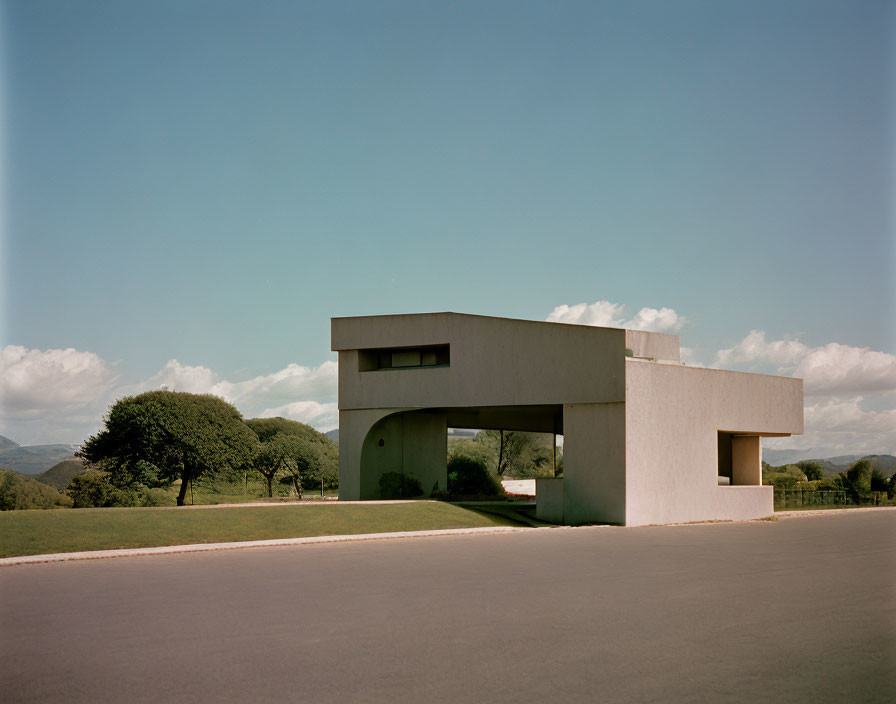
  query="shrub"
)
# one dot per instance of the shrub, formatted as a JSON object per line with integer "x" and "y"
{"x": 154, "y": 497}
{"x": 20, "y": 492}
{"x": 94, "y": 489}
{"x": 470, "y": 477}
{"x": 394, "y": 485}
{"x": 786, "y": 477}
{"x": 474, "y": 450}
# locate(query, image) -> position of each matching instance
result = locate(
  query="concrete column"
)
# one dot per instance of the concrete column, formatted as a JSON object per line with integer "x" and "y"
{"x": 746, "y": 460}
{"x": 594, "y": 489}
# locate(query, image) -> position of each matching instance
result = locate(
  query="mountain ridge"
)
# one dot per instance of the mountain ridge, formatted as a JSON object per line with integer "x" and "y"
{"x": 34, "y": 459}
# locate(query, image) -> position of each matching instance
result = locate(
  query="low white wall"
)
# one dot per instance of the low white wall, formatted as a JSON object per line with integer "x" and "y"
{"x": 549, "y": 499}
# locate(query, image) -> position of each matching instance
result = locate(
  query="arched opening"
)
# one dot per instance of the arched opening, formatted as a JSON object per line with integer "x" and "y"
{"x": 403, "y": 456}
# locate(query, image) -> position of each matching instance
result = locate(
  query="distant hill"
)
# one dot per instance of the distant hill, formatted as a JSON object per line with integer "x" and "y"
{"x": 60, "y": 475}
{"x": 781, "y": 457}
{"x": 333, "y": 435}
{"x": 6, "y": 443}
{"x": 845, "y": 459}
{"x": 832, "y": 466}
{"x": 34, "y": 459}
{"x": 885, "y": 463}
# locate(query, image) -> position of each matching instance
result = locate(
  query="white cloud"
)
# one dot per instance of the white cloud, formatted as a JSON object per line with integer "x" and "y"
{"x": 662, "y": 320}
{"x": 842, "y": 426}
{"x": 34, "y": 382}
{"x": 323, "y": 416}
{"x": 601, "y": 314}
{"x": 831, "y": 369}
{"x": 182, "y": 377}
{"x": 840, "y": 369}
{"x": 280, "y": 388}
{"x": 51, "y": 396}
{"x": 755, "y": 348}
{"x": 612, "y": 315}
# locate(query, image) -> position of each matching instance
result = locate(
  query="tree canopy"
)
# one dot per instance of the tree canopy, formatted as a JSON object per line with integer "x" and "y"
{"x": 294, "y": 450}
{"x": 812, "y": 469}
{"x": 159, "y": 436}
{"x": 519, "y": 454}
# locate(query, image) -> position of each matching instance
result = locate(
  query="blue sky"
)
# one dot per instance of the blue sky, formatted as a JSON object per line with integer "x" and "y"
{"x": 210, "y": 182}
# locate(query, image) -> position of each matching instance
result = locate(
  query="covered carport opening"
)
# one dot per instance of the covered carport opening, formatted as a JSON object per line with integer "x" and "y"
{"x": 546, "y": 421}
{"x": 412, "y": 445}
{"x": 542, "y": 419}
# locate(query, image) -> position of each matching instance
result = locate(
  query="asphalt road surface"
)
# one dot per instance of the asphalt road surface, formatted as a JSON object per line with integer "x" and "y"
{"x": 795, "y": 610}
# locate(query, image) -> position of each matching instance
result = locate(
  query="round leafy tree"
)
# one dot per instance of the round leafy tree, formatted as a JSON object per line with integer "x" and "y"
{"x": 295, "y": 450}
{"x": 160, "y": 436}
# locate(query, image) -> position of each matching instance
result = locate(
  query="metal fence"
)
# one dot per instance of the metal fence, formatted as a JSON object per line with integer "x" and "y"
{"x": 796, "y": 498}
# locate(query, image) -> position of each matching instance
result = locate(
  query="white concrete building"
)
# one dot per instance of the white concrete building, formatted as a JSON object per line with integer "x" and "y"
{"x": 646, "y": 438}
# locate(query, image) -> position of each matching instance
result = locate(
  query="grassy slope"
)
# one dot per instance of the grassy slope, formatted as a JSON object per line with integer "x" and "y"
{"x": 73, "y": 530}
{"x": 60, "y": 475}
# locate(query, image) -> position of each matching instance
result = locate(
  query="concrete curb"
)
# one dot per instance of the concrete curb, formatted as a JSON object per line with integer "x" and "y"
{"x": 275, "y": 542}
{"x": 319, "y": 539}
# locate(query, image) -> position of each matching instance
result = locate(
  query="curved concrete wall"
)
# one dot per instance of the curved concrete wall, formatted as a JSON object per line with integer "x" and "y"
{"x": 376, "y": 441}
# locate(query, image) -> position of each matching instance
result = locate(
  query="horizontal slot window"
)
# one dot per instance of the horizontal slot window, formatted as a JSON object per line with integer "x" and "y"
{"x": 404, "y": 358}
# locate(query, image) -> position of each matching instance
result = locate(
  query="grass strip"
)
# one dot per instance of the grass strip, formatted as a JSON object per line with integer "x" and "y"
{"x": 74, "y": 530}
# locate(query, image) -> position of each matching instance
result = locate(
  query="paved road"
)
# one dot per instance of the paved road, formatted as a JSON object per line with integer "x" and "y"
{"x": 798, "y": 610}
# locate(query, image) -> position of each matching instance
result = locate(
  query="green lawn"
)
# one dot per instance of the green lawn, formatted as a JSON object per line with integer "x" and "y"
{"x": 232, "y": 493}
{"x": 72, "y": 530}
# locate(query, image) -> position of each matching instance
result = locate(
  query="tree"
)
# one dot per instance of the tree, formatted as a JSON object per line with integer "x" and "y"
{"x": 269, "y": 459}
{"x": 811, "y": 469}
{"x": 878, "y": 480}
{"x": 305, "y": 463}
{"x": 470, "y": 449}
{"x": 305, "y": 455}
{"x": 518, "y": 453}
{"x": 161, "y": 436}
{"x": 857, "y": 479}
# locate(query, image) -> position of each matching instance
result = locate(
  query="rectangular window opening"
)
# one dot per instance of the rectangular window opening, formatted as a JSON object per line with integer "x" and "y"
{"x": 724, "y": 458}
{"x": 740, "y": 462}
{"x": 426, "y": 357}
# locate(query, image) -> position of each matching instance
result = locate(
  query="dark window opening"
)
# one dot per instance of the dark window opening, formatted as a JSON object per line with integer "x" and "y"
{"x": 725, "y": 464}
{"x": 404, "y": 358}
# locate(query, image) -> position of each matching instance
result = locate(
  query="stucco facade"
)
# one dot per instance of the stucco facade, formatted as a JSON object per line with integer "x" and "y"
{"x": 646, "y": 439}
